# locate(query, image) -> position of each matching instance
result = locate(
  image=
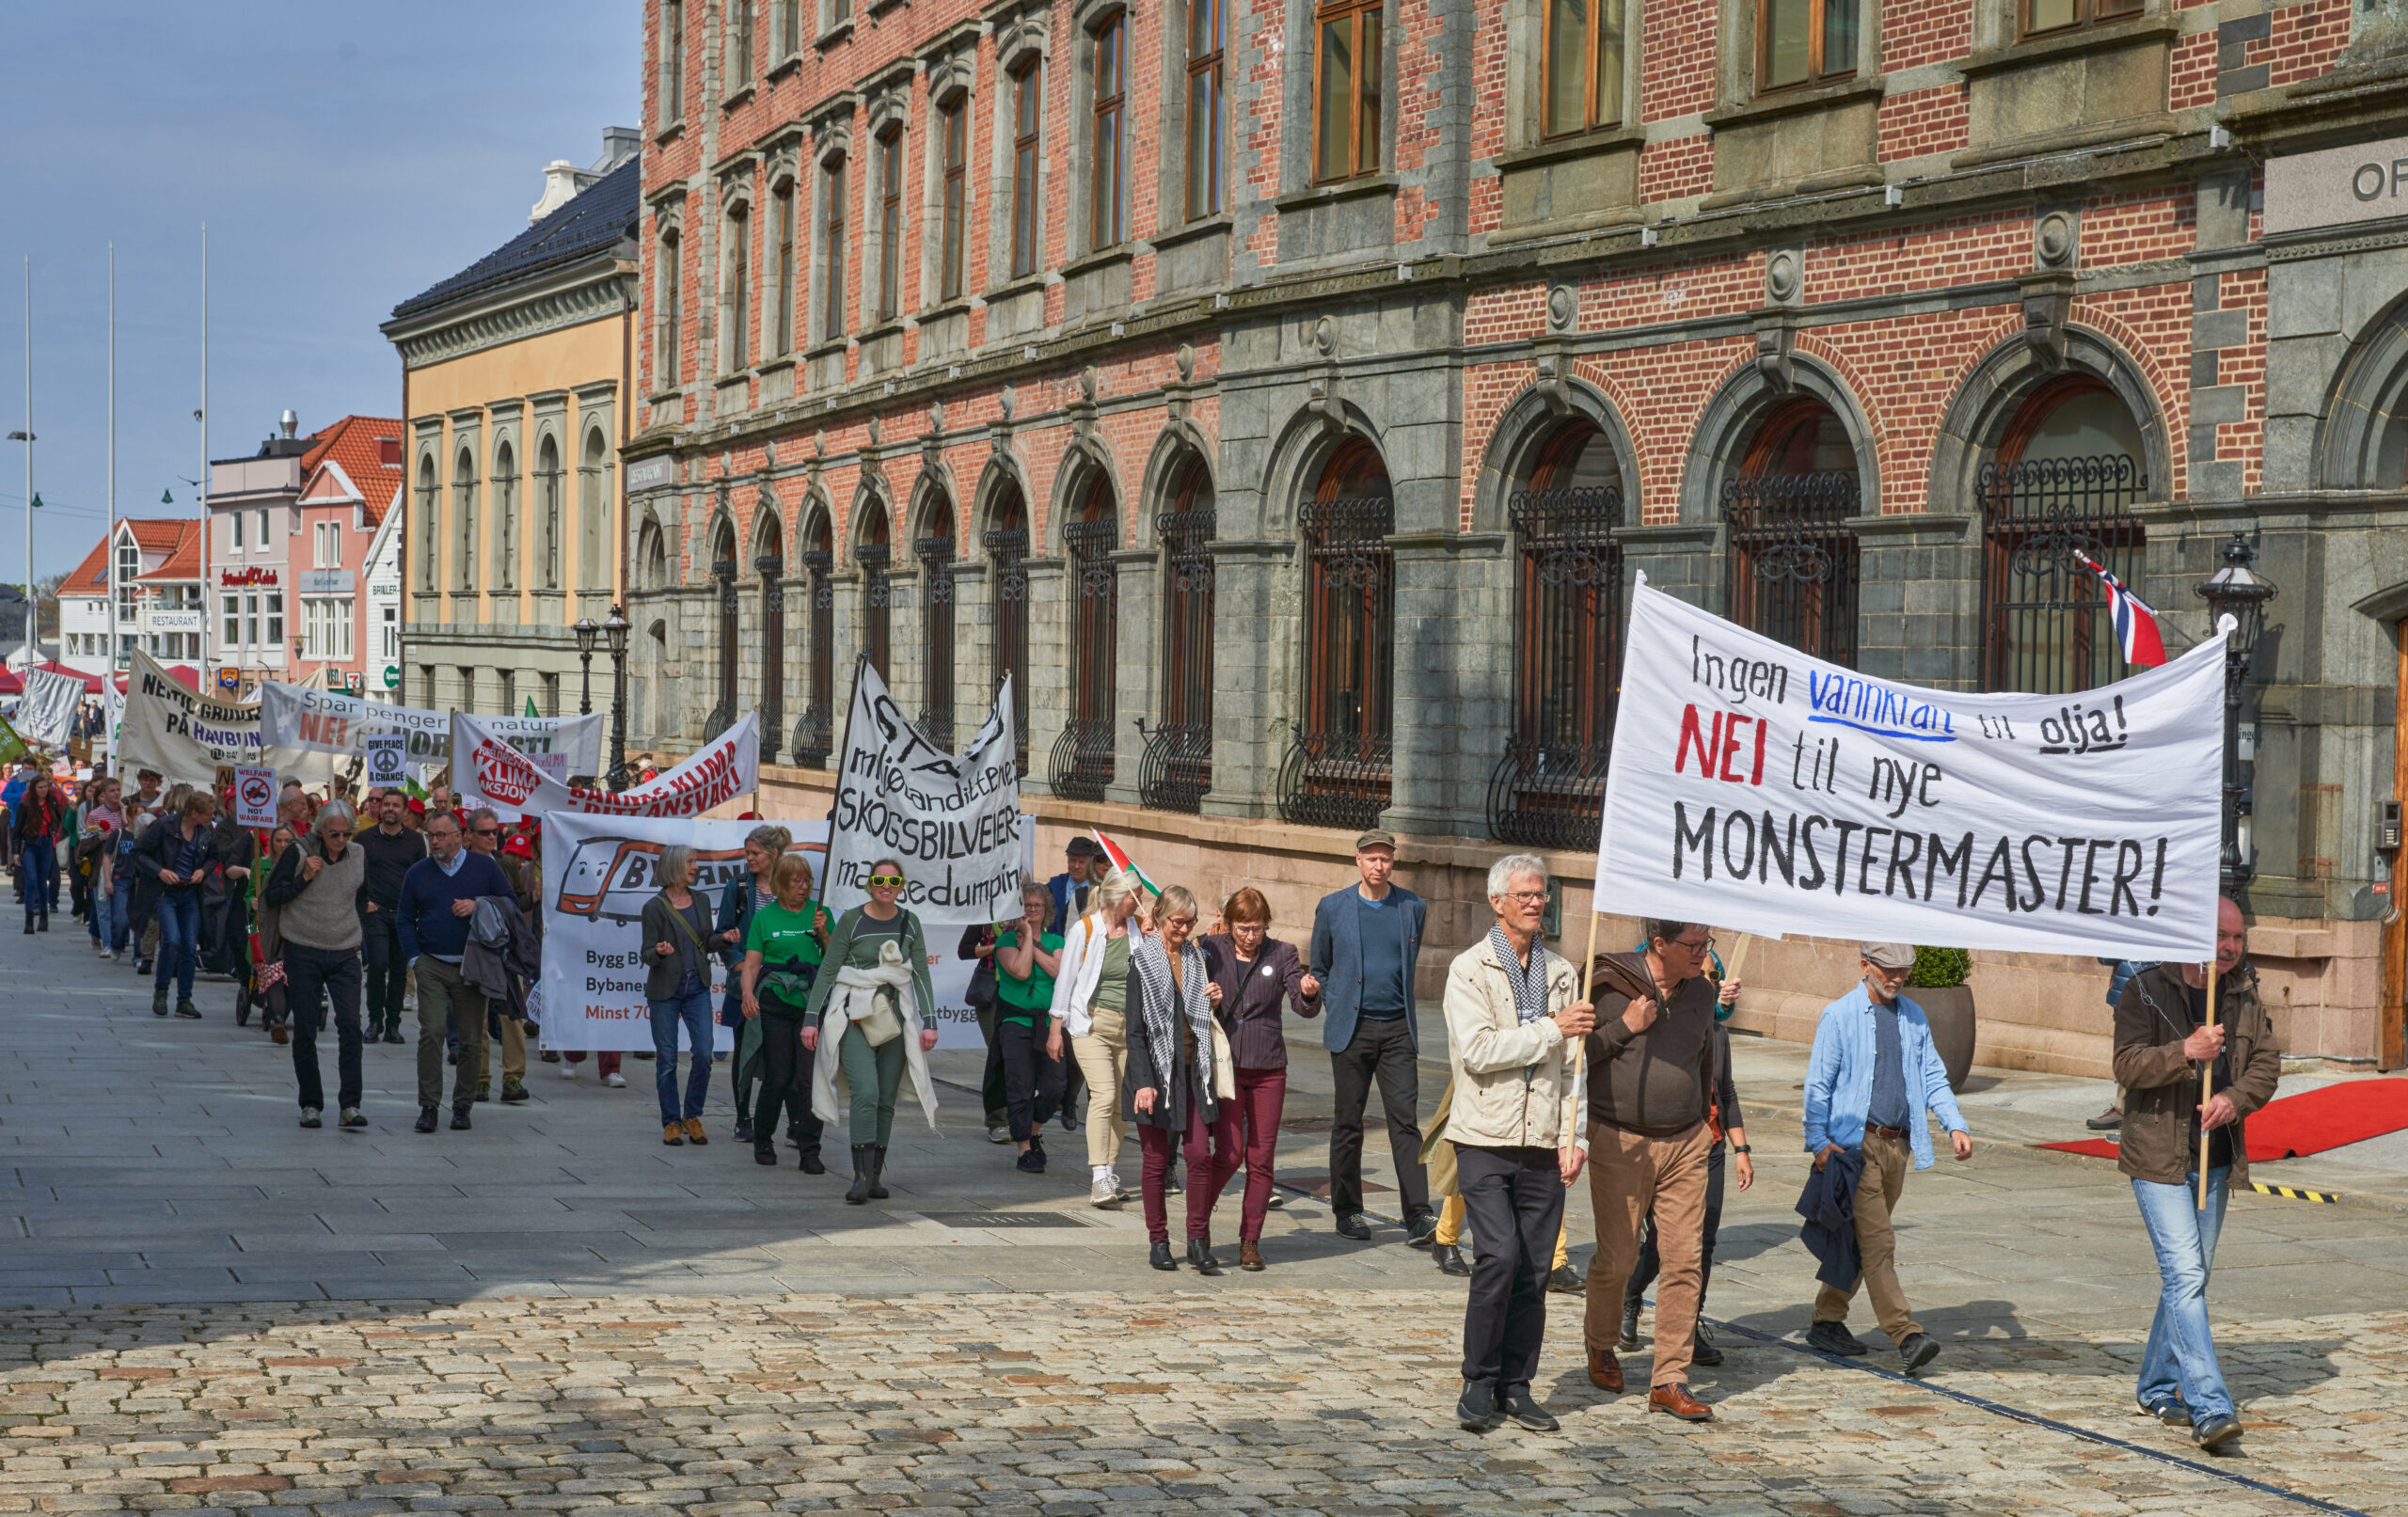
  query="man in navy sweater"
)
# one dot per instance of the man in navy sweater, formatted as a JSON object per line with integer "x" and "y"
{"x": 1365, "y": 943}
{"x": 438, "y": 897}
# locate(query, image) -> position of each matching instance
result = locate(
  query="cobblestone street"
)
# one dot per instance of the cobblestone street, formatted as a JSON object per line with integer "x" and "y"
{"x": 212, "y": 1309}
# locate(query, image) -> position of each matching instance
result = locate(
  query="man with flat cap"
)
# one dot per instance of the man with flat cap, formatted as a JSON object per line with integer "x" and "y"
{"x": 1366, "y": 942}
{"x": 1873, "y": 1074}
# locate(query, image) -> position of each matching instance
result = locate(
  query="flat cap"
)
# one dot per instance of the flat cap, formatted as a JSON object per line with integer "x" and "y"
{"x": 1084, "y": 847}
{"x": 1376, "y": 839}
{"x": 1888, "y": 955}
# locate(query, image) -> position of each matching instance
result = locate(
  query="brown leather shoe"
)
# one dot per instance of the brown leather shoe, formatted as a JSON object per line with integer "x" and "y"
{"x": 1676, "y": 1400}
{"x": 1605, "y": 1370}
{"x": 672, "y": 1133}
{"x": 1249, "y": 1256}
{"x": 694, "y": 1133}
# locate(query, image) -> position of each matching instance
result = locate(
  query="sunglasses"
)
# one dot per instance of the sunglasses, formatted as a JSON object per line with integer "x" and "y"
{"x": 489, "y": 831}
{"x": 883, "y": 881}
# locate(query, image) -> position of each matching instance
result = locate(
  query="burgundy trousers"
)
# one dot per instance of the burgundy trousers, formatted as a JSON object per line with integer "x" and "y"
{"x": 1261, "y": 1094}
{"x": 1212, "y": 1159}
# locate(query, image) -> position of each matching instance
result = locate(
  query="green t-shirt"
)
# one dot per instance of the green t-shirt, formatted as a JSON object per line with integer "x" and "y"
{"x": 1033, "y": 994}
{"x": 782, "y": 936}
{"x": 1112, "y": 983}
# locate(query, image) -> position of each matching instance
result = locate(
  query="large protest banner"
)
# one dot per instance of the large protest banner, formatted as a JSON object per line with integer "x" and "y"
{"x": 188, "y": 734}
{"x": 598, "y": 871}
{"x": 1757, "y": 788}
{"x": 486, "y": 770}
{"x": 332, "y": 722}
{"x": 953, "y": 821}
{"x": 46, "y": 714}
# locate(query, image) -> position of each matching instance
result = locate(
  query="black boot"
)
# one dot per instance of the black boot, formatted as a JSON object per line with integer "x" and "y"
{"x": 45, "y": 922}
{"x": 1199, "y": 1256}
{"x": 811, "y": 1163}
{"x": 860, "y": 1192}
{"x": 878, "y": 1191}
{"x": 764, "y": 1155}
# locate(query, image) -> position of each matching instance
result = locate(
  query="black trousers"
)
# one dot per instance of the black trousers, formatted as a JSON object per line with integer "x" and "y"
{"x": 1643, "y": 1274}
{"x": 380, "y": 950}
{"x": 311, "y": 974}
{"x": 1380, "y": 1050}
{"x": 1032, "y": 1081}
{"x": 787, "y": 1069}
{"x": 991, "y": 1083}
{"x": 1514, "y": 1204}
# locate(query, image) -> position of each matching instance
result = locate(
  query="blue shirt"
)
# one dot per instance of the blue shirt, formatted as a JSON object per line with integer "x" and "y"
{"x": 1380, "y": 927}
{"x": 1888, "y": 1107}
{"x": 1839, "y": 1076}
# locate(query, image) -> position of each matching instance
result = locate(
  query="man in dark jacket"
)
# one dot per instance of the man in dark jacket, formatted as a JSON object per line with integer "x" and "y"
{"x": 1366, "y": 939}
{"x": 179, "y": 852}
{"x": 484, "y": 838}
{"x": 2164, "y": 1037}
{"x": 438, "y": 897}
{"x": 391, "y": 847}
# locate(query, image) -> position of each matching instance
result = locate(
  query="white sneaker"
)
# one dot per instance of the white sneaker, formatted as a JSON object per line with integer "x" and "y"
{"x": 999, "y": 1134}
{"x": 568, "y": 1071}
{"x": 615, "y": 1080}
{"x": 108, "y": 953}
{"x": 1105, "y": 1195}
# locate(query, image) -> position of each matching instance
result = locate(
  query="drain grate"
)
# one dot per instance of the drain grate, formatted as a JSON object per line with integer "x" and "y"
{"x": 1002, "y": 1219}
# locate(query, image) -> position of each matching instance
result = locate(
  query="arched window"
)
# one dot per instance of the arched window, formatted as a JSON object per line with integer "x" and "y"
{"x": 653, "y": 558}
{"x": 593, "y": 476}
{"x": 428, "y": 577}
{"x": 1550, "y": 789}
{"x": 769, "y": 563}
{"x": 2057, "y": 499}
{"x": 935, "y": 551}
{"x": 464, "y": 524}
{"x": 547, "y": 487}
{"x": 1081, "y": 759}
{"x": 1177, "y": 768}
{"x": 505, "y": 519}
{"x": 876, "y": 556}
{"x": 1791, "y": 572}
{"x": 814, "y": 730}
{"x": 1007, "y": 556}
{"x": 731, "y": 632}
{"x": 1337, "y": 773}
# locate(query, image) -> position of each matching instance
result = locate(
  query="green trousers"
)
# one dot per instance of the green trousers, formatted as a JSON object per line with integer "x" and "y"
{"x": 874, "y": 1075}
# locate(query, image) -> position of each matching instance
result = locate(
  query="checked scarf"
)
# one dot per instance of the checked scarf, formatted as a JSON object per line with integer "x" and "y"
{"x": 1165, "y": 1001}
{"x": 1530, "y": 984}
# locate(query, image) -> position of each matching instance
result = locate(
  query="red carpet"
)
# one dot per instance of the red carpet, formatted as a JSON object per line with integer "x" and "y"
{"x": 2294, "y": 1127}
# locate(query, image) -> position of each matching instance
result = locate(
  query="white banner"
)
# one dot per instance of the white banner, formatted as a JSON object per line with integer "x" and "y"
{"x": 330, "y": 721}
{"x": 598, "y": 871}
{"x": 486, "y": 770}
{"x": 953, "y": 822}
{"x": 46, "y": 715}
{"x": 1755, "y": 788}
{"x": 188, "y": 734}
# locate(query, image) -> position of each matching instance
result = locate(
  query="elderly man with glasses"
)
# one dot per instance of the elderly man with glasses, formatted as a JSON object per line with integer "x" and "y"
{"x": 1651, "y": 1129}
{"x": 484, "y": 838}
{"x": 316, "y": 888}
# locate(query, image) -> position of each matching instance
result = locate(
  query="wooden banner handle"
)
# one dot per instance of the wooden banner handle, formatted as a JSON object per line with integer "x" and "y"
{"x": 2207, "y": 1089}
{"x": 1580, "y": 1051}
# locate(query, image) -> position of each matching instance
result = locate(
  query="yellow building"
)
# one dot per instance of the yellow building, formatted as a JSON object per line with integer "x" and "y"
{"x": 516, "y": 378}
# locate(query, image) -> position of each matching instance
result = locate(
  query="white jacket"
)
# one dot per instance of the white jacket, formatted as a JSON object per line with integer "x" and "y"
{"x": 1078, "y": 972}
{"x": 1514, "y": 1085}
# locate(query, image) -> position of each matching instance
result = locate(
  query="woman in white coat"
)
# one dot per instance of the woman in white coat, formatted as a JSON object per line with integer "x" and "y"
{"x": 1091, "y": 1007}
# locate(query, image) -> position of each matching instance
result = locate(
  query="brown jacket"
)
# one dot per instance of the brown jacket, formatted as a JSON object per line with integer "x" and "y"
{"x": 2162, "y": 1087}
{"x": 1658, "y": 1083}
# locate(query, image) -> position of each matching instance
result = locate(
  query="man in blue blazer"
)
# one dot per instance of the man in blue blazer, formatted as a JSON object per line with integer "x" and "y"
{"x": 1366, "y": 938}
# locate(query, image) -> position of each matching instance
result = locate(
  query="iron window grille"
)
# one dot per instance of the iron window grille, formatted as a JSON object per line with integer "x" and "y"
{"x": 936, "y": 704}
{"x": 815, "y": 730}
{"x": 2047, "y": 628}
{"x": 1082, "y": 757}
{"x": 771, "y": 567}
{"x": 877, "y": 598}
{"x": 1007, "y": 549}
{"x": 723, "y": 714}
{"x": 1176, "y": 769}
{"x": 1338, "y": 772}
{"x": 1793, "y": 562}
{"x": 1548, "y": 790}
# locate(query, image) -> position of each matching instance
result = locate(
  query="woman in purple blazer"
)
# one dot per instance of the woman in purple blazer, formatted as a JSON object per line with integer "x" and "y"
{"x": 1258, "y": 978}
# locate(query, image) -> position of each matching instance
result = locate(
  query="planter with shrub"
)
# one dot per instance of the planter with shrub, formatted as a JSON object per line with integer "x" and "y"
{"x": 1937, "y": 983}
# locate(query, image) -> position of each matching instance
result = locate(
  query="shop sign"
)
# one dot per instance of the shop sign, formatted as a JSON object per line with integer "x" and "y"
{"x": 255, "y": 574}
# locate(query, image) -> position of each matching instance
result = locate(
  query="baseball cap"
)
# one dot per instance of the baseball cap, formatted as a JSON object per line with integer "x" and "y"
{"x": 1888, "y": 955}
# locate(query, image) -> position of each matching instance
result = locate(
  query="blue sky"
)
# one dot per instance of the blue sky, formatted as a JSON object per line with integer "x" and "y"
{"x": 345, "y": 157}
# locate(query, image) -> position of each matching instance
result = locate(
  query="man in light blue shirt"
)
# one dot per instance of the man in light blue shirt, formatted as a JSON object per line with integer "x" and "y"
{"x": 1871, "y": 1075}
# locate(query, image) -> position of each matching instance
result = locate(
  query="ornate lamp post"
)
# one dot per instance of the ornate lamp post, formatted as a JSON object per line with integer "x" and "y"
{"x": 2239, "y": 592}
{"x": 586, "y": 632}
{"x": 615, "y": 630}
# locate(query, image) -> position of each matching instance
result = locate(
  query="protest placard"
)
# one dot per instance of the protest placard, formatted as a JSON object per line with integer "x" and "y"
{"x": 489, "y": 771}
{"x": 254, "y": 796}
{"x": 332, "y": 722}
{"x": 387, "y": 758}
{"x": 953, "y": 821}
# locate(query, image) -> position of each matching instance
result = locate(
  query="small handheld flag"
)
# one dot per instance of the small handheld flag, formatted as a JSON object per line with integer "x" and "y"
{"x": 2135, "y": 624}
{"x": 1121, "y": 860}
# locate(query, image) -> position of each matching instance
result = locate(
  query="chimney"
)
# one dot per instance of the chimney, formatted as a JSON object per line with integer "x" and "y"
{"x": 619, "y": 143}
{"x": 560, "y": 185}
{"x": 290, "y": 423}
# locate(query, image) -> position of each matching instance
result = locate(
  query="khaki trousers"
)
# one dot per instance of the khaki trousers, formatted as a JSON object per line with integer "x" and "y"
{"x": 513, "y": 1050}
{"x": 1630, "y": 1174}
{"x": 1887, "y": 1161}
{"x": 1103, "y": 1054}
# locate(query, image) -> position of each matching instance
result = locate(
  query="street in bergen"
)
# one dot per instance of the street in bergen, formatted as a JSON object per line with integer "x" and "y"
{"x": 212, "y": 1309}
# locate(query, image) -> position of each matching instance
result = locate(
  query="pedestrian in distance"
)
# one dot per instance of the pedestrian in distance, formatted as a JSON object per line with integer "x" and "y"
{"x": 439, "y": 895}
{"x": 104, "y": 824}
{"x": 391, "y": 847}
{"x": 1182, "y": 1086}
{"x": 484, "y": 832}
{"x": 678, "y": 958}
{"x": 1090, "y": 1010}
{"x": 1259, "y": 978}
{"x": 315, "y": 886}
{"x": 2168, "y": 1031}
{"x": 737, "y": 900}
{"x": 1871, "y": 1075}
{"x": 1366, "y": 942}
{"x": 1072, "y": 893}
{"x": 1514, "y": 1021}
{"x": 1027, "y": 957}
{"x": 977, "y": 947}
{"x": 874, "y": 982}
{"x": 263, "y": 984}
{"x": 40, "y": 826}
{"x": 785, "y": 940}
{"x": 179, "y": 851}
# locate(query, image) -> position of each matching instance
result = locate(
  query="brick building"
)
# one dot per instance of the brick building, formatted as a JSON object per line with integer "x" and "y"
{"x": 1287, "y": 396}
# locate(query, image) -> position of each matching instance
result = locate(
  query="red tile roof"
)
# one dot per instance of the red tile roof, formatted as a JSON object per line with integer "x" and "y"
{"x": 183, "y": 560}
{"x": 353, "y": 445}
{"x": 178, "y": 539}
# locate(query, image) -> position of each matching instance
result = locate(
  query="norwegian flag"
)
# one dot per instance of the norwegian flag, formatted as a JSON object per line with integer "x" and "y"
{"x": 2135, "y": 624}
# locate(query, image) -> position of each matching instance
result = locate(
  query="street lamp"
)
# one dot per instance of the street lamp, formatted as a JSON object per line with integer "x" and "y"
{"x": 616, "y": 630}
{"x": 2241, "y": 593}
{"x": 585, "y": 629}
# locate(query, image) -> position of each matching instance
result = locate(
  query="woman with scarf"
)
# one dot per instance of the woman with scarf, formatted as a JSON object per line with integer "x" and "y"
{"x": 883, "y": 999}
{"x": 785, "y": 940}
{"x": 737, "y": 900}
{"x": 41, "y": 824}
{"x": 1182, "y": 1083}
{"x": 1258, "y": 977}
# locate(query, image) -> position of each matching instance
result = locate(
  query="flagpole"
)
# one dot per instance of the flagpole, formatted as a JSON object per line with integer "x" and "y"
{"x": 1580, "y": 1050}
{"x": 2207, "y": 1083}
{"x": 206, "y": 597}
{"x": 33, "y": 607}
{"x": 111, "y": 703}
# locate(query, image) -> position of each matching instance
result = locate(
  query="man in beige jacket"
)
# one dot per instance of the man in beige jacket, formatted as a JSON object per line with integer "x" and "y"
{"x": 1515, "y": 1018}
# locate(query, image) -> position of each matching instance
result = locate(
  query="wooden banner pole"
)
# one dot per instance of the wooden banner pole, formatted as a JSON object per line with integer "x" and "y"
{"x": 1588, "y": 992}
{"x": 2207, "y": 1089}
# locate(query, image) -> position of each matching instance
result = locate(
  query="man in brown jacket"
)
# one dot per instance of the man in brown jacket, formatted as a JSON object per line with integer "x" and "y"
{"x": 2164, "y": 1038}
{"x": 1651, "y": 1082}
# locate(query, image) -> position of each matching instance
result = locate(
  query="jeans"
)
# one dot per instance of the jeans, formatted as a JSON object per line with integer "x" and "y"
{"x": 336, "y": 973}
{"x": 2180, "y": 1359}
{"x": 380, "y": 955}
{"x": 1651, "y": 1260}
{"x": 694, "y": 1012}
{"x": 1515, "y": 1199}
{"x": 179, "y": 919}
{"x": 121, "y": 908}
{"x": 787, "y": 1070}
{"x": 1380, "y": 1050}
{"x": 37, "y": 872}
{"x": 106, "y": 904}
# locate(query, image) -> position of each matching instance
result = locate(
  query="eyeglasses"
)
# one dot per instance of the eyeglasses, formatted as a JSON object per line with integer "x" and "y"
{"x": 1699, "y": 947}
{"x": 885, "y": 881}
{"x": 1178, "y": 922}
{"x": 1527, "y": 897}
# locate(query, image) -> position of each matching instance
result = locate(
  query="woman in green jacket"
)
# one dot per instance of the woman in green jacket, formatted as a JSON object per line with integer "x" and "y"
{"x": 877, "y": 974}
